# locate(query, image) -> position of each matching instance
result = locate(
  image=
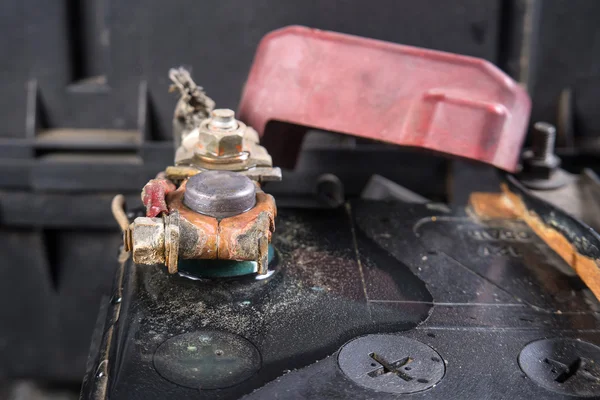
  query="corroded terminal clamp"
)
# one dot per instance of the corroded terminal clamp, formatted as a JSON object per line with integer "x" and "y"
{"x": 210, "y": 204}
{"x": 212, "y": 215}
{"x": 223, "y": 143}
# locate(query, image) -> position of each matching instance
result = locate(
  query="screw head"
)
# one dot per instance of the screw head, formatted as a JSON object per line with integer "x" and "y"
{"x": 391, "y": 363}
{"x": 219, "y": 194}
{"x": 565, "y": 366}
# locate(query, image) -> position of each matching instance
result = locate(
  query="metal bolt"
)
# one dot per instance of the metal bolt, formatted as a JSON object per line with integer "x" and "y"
{"x": 566, "y": 366}
{"x": 540, "y": 165}
{"x": 391, "y": 363}
{"x": 221, "y": 139}
{"x": 223, "y": 119}
{"x": 220, "y": 194}
{"x": 148, "y": 241}
{"x": 543, "y": 139}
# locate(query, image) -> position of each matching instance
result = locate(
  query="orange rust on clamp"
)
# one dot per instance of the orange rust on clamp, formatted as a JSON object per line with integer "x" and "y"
{"x": 243, "y": 237}
{"x": 199, "y": 233}
{"x": 247, "y": 236}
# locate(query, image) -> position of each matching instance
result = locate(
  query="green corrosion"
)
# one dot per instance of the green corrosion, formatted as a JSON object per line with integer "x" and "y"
{"x": 221, "y": 268}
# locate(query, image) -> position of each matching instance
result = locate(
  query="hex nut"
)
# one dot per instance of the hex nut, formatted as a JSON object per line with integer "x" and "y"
{"x": 221, "y": 135}
{"x": 539, "y": 169}
{"x": 148, "y": 241}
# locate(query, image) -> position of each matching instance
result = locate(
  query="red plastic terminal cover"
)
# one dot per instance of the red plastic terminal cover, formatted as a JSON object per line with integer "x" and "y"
{"x": 454, "y": 104}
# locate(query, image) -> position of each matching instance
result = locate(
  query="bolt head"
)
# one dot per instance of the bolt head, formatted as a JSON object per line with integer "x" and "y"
{"x": 221, "y": 135}
{"x": 148, "y": 241}
{"x": 539, "y": 169}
